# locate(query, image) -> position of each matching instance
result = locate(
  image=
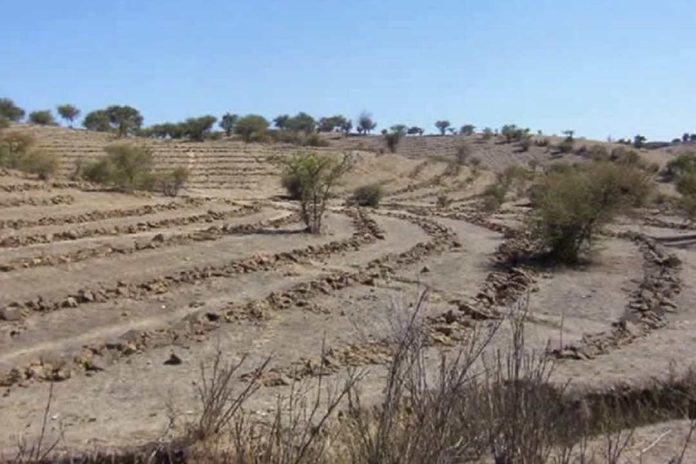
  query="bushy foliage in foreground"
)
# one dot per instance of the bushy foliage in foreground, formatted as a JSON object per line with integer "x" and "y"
{"x": 310, "y": 178}
{"x": 571, "y": 204}
{"x": 129, "y": 167}
{"x": 17, "y": 152}
{"x": 368, "y": 195}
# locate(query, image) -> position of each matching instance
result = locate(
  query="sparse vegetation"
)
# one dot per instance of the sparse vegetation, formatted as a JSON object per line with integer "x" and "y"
{"x": 365, "y": 123}
{"x": 68, "y": 112}
{"x": 125, "y": 167}
{"x": 10, "y": 111}
{"x": 311, "y": 177}
{"x": 42, "y": 118}
{"x": 368, "y": 195}
{"x": 251, "y": 128}
{"x": 393, "y": 137}
{"x": 442, "y": 126}
{"x": 17, "y": 152}
{"x": 573, "y": 203}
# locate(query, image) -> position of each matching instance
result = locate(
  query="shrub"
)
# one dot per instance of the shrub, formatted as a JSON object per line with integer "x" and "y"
{"x": 4, "y": 122}
{"x": 494, "y": 196}
{"x": 487, "y": 133}
{"x": 312, "y": 177}
{"x": 170, "y": 182}
{"x": 570, "y": 204}
{"x": 566, "y": 146}
{"x": 9, "y": 110}
{"x": 368, "y": 195}
{"x": 42, "y": 118}
{"x": 680, "y": 165}
{"x": 526, "y": 143}
{"x": 13, "y": 146}
{"x": 126, "y": 167}
{"x": 393, "y": 137}
{"x": 42, "y": 164}
{"x": 251, "y": 127}
{"x": 315, "y": 140}
{"x": 598, "y": 153}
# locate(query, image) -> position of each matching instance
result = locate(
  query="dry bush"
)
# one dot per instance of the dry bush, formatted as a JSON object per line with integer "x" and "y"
{"x": 43, "y": 165}
{"x": 311, "y": 177}
{"x": 170, "y": 182}
{"x": 571, "y": 203}
{"x": 126, "y": 167}
{"x": 368, "y": 195}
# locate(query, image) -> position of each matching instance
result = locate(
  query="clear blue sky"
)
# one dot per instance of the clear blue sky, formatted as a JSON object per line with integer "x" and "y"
{"x": 601, "y": 67}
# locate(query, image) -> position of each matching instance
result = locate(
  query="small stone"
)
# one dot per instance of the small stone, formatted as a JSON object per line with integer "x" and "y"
{"x": 70, "y": 302}
{"x": 425, "y": 269}
{"x": 11, "y": 314}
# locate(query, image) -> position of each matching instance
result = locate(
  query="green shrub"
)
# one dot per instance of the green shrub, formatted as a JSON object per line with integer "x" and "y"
{"x": 494, "y": 196}
{"x": 13, "y": 146}
{"x": 368, "y": 195}
{"x": 566, "y": 146}
{"x": 570, "y": 204}
{"x": 170, "y": 182}
{"x": 310, "y": 177}
{"x": 680, "y": 165}
{"x": 42, "y": 118}
{"x": 315, "y": 140}
{"x": 125, "y": 167}
{"x": 4, "y": 122}
{"x": 42, "y": 164}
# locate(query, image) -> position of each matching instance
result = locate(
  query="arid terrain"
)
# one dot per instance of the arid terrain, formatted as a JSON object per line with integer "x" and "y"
{"x": 118, "y": 298}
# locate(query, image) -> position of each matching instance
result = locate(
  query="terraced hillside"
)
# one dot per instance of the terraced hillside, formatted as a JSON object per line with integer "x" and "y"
{"x": 117, "y": 298}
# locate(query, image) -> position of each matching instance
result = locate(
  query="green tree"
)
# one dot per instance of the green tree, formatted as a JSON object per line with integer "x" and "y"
{"x": 442, "y": 126}
{"x": 313, "y": 177}
{"x": 281, "y": 121}
{"x": 9, "y": 110}
{"x": 394, "y": 136}
{"x": 346, "y": 126}
{"x": 228, "y": 122}
{"x": 301, "y": 122}
{"x": 467, "y": 129}
{"x": 97, "y": 120}
{"x": 42, "y": 118}
{"x": 68, "y": 112}
{"x": 198, "y": 128}
{"x": 124, "y": 119}
{"x": 365, "y": 123}
{"x": 415, "y": 130}
{"x": 639, "y": 141}
{"x": 125, "y": 167}
{"x": 332, "y": 123}
{"x": 251, "y": 127}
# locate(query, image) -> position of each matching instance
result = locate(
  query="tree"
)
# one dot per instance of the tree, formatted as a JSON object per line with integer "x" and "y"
{"x": 124, "y": 119}
{"x": 97, "y": 121}
{"x": 68, "y": 112}
{"x": 467, "y": 129}
{"x": 685, "y": 137}
{"x": 9, "y": 110}
{"x": 251, "y": 127}
{"x": 346, "y": 126}
{"x": 393, "y": 136}
{"x": 281, "y": 121}
{"x": 442, "y": 126}
{"x": 42, "y": 118}
{"x": 301, "y": 122}
{"x": 126, "y": 167}
{"x": 312, "y": 177}
{"x": 692, "y": 138}
{"x": 639, "y": 141}
{"x": 365, "y": 123}
{"x": 227, "y": 123}
{"x": 198, "y": 128}
{"x": 572, "y": 203}
{"x": 415, "y": 130}
{"x": 332, "y": 123}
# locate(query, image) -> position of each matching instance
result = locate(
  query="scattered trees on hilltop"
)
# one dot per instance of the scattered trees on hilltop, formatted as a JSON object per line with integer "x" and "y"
{"x": 442, "y": 126}
{"x": 227, "y": 123}
{"x": 124, "y": 120}
{"x": 9, "y": 110}
{"x": 251, "y": 127}
{"x": 415, "y": 130}
{"x": 68, "y": 112}
{"x": 42, "y": 118}
{"x": 365, "y": 123}
{"x": 335, "y": 123}
{"x": 467, "y": 129}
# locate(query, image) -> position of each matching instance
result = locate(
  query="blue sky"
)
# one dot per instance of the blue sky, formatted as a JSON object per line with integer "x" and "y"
{"x": 601, "y": 67}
